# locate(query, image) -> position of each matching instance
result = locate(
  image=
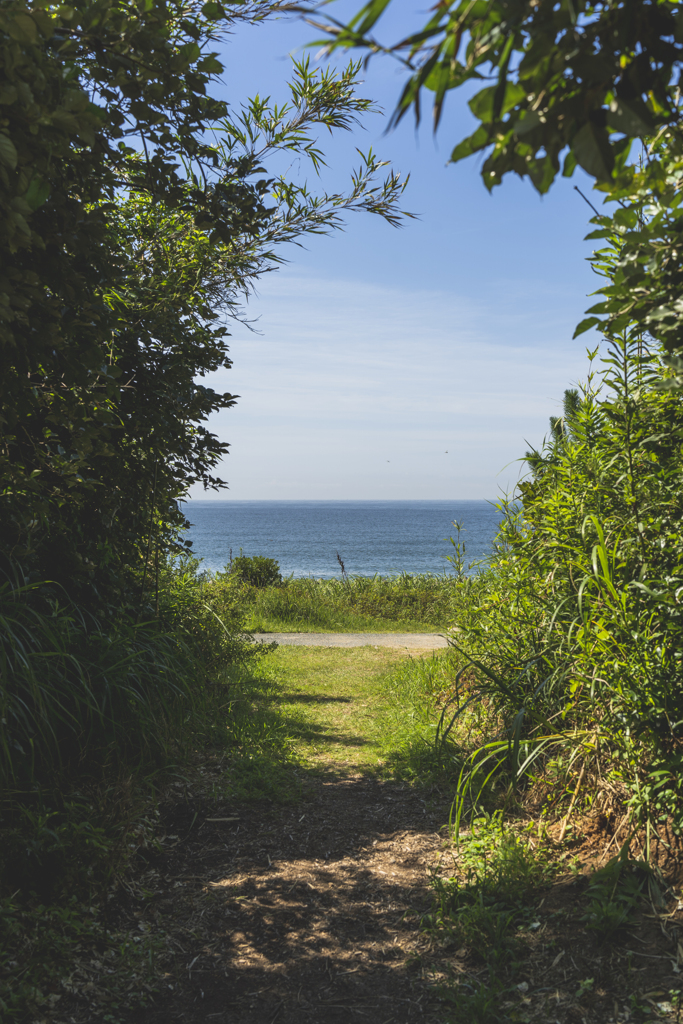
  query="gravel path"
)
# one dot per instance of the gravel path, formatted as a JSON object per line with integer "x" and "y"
{"x": 411, "y": 641}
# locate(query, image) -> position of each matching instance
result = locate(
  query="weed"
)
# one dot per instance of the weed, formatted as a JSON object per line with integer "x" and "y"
{"x": 482, "y": 907}
{"x": 614, "y": 893}
{"x": 474, "y": 1002}
{"x": 571, "y": 632}
{"x": 585, "y": 986}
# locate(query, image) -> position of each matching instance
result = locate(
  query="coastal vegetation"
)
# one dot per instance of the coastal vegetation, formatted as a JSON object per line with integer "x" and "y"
{"x": 409, "y": 603}
{"x": 138, "y": 210}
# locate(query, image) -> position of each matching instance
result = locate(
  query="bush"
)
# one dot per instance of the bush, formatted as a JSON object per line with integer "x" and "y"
{"x": 575, "y": 643}
{"x": 204, "y": 612}
{"x": 256, "y": 570}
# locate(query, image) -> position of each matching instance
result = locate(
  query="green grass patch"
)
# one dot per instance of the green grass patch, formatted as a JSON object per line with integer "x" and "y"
{"x": 368, "y": 708}
{"x": 253, "y": 735}
{"x": 406, "y": 603}
{"x": 414, "y": 747}
{"x": 331, "y": 700}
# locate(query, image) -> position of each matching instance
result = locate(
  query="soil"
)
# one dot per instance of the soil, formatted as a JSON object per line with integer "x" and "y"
{"x": 313, "y": 913}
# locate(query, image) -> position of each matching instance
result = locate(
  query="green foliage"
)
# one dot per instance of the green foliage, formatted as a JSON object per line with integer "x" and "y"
{"x": 413, "y": 747}
{"x": 74, "y": 694}
{"x": 481, "y": 908}
{"x": 87, "y": 747}
{"x": 204, "y": 612}
{"x": 577, "y": 77}
{"x": 615, "y": 891}
{"x": 137, "y": 214}
{"x": 495, "y": 868}
{"x": 575, "y": 644}
{"x": 417, "y": 603}
{"x": 77, "y": 695}
{"x": 641, "y": 253}
{"x": 256, "y": 570}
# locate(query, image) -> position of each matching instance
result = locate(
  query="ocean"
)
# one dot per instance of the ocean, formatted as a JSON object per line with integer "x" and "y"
{"x": 371, "y": 537}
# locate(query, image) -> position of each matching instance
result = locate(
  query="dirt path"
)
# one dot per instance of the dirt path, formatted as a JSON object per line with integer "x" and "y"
{"x": 306, "y": 913}
{"x": 414, "y": 642}
{"x": 311, "y": 912}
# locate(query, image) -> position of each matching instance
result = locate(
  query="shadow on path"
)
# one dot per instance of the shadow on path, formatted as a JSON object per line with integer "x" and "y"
{"x": 306, "y": 913}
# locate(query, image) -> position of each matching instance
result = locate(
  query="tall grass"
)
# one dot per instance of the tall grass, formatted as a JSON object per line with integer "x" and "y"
{"x": 73, "y": 694}
{"x": 90, "y": 711}
{"x": 417, "y": 603}
{"x": 94, "y": 715}
{"x": 80, "y": 694}
{"x": 413, "y": 695}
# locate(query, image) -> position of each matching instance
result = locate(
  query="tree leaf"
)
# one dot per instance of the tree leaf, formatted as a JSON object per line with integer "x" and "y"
{"x": 585, "y": 325}
{"x": 631, "y": 118}
{"x": 475, "y": 142}
{"x": 22, "y": 27}
{"x": 591, "y": 148}
{"x": 37, "y": 192}
{"x": 8, "y": 153}
{"x": 481, "y": 105}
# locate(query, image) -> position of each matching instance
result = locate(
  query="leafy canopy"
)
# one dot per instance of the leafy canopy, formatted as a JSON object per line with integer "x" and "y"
{"x": 566, "y": 77}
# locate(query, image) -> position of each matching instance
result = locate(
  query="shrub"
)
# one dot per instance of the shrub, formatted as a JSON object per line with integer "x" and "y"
{"x": 256, "y": 570}
{"x": 576, "y": 640}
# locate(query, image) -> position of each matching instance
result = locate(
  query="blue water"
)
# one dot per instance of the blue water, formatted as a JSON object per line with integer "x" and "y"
{"x": 371, "y": 536}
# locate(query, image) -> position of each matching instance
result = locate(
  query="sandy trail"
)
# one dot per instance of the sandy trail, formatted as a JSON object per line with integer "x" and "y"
{"x": 410, "y": 641}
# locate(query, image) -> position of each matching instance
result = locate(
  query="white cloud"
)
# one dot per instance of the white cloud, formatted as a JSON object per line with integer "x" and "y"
{"x": 354, "y": 390}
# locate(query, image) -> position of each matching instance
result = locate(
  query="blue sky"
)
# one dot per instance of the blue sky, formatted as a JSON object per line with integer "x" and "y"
{"x": 411, "y": 363}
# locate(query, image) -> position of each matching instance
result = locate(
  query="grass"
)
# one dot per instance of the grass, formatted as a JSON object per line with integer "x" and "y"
{"x": 357, "y": 604}
{"x": 373, "y": 709}
{"x": 331, "y": 701}
{"x": 482, "y": 909}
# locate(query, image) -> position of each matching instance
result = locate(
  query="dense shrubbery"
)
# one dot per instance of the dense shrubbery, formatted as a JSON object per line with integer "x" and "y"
{"x": 574, "y": 635}
{"x": 575, "y": 638}
{"x": 256, "y": 570}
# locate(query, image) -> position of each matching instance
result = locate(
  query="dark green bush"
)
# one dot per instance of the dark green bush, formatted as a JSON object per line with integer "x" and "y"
{"x": 256, "y": 570}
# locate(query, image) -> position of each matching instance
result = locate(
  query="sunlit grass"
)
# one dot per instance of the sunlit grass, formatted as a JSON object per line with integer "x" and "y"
{"x": 369, "y": 708}
{"x": 402, "y": 603}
